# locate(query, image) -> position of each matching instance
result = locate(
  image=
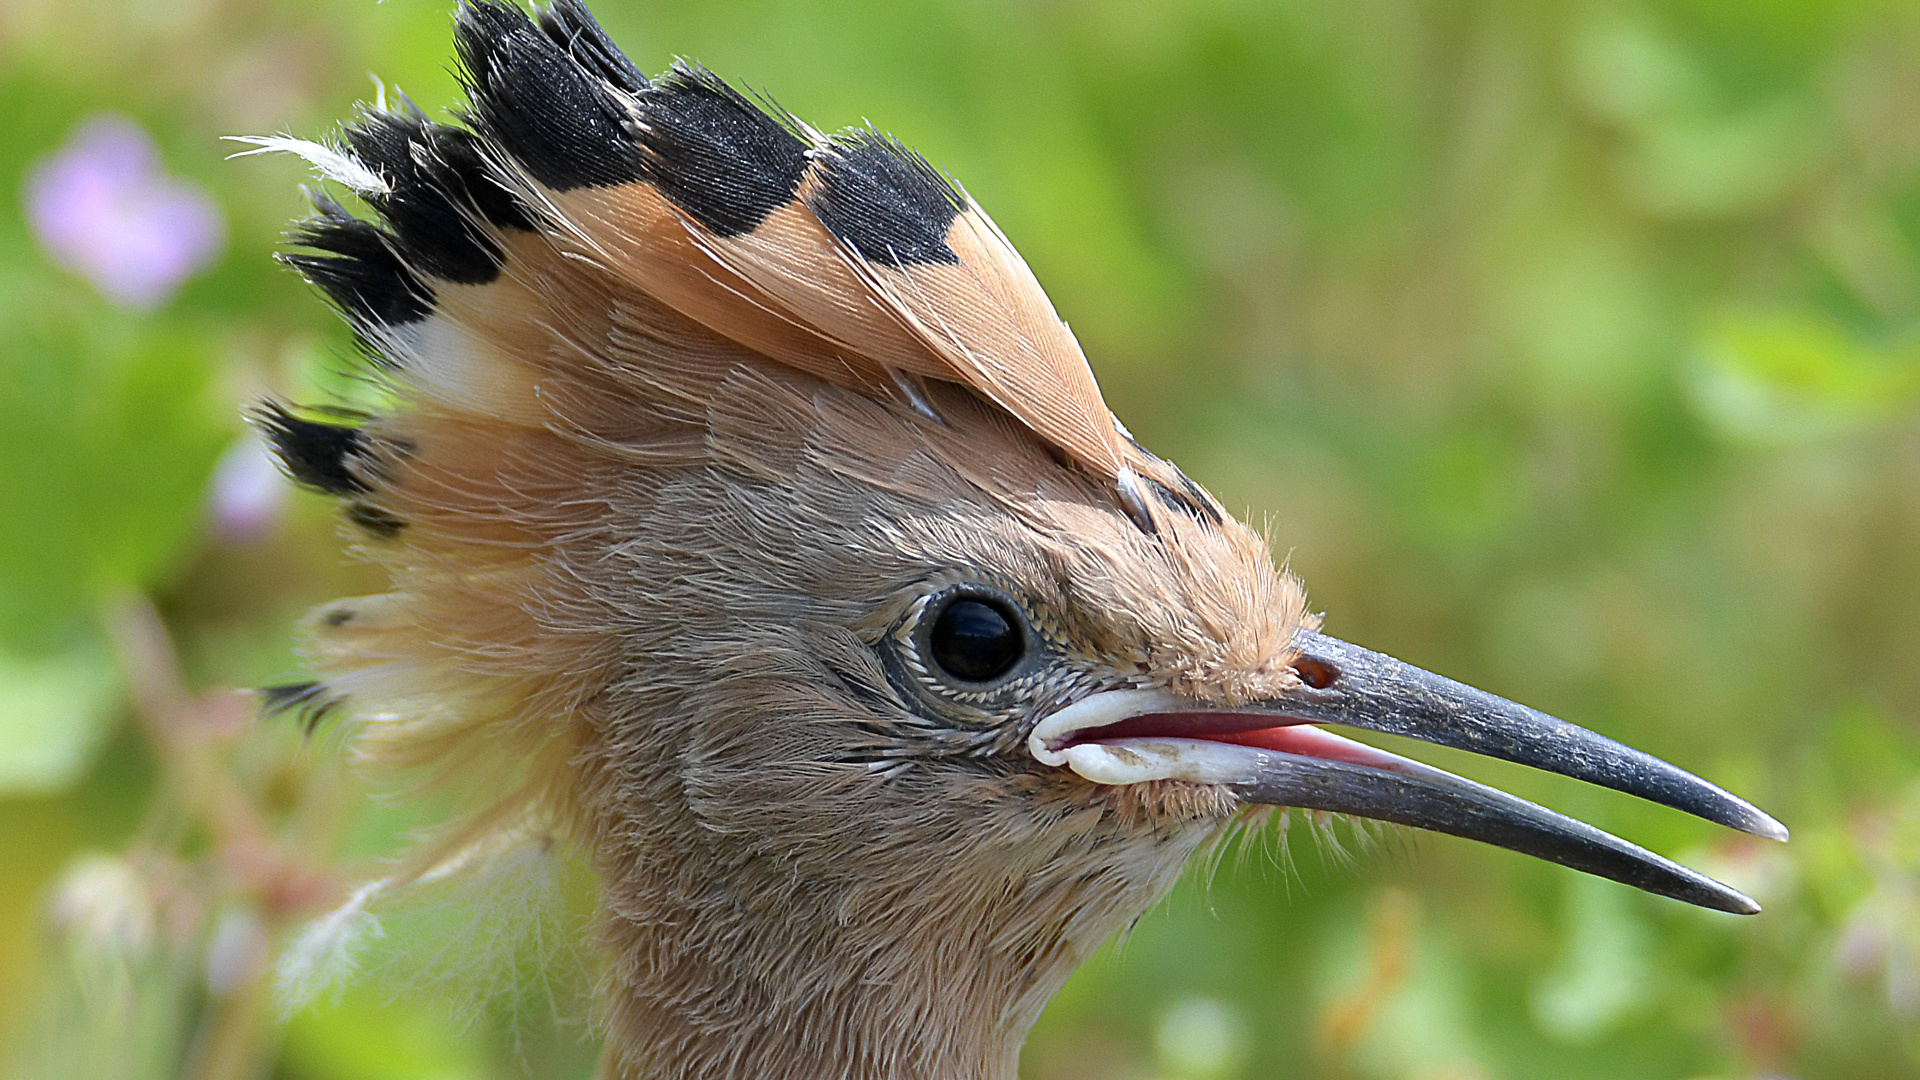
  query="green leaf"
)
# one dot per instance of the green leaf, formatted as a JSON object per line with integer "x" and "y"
{"x": 1605, "y": 974}
{"x": 366, "y": 1036}
{"x": 109, "y": 437}
{"x": 55, "y": 711}
{"x": 1782, "y": 378}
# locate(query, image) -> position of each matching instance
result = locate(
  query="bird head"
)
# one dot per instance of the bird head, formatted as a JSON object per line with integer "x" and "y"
{"x": 758, "y": 531}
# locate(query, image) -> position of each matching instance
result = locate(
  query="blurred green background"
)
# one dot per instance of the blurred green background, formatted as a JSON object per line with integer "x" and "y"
{"x": 1571, "y": 349}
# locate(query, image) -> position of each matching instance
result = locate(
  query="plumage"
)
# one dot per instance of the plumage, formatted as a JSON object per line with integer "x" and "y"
{"x": 704, "y": 420}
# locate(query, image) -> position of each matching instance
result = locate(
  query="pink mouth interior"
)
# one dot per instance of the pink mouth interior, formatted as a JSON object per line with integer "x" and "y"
{"x": 1245, "y": 729}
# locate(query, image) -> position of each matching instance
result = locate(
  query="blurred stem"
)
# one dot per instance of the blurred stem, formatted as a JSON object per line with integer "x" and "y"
{"x": 232, "y": 1042}
{"x": 184, "y": 731}
{"x": 175, "y": 725}
{"x": 1390, "y": 928}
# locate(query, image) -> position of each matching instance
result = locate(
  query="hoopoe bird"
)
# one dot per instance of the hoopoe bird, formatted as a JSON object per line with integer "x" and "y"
{"x": 757, "y": 531}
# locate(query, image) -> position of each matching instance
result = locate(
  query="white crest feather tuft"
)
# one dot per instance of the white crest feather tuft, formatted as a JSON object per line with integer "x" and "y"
{"x": 330, "y": 162}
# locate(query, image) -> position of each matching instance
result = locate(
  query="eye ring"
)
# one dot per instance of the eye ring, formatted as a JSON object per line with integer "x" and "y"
{"x": 974, "y": 638}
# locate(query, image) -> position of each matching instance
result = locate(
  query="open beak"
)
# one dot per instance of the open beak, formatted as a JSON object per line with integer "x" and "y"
{"x": 1270, "y": 753}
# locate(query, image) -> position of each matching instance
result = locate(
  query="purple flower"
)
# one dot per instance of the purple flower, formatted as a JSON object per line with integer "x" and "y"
{"x": 103, "y": 207}
{"x": 247, "y": 492}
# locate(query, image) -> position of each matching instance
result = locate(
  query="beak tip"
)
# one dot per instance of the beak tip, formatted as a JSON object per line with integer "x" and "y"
{"x": 1705, "y": 892}
{"x": 1762, "y": 824}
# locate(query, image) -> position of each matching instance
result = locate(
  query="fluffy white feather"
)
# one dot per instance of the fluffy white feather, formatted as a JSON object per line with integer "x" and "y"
{"x": 330, "y": 162}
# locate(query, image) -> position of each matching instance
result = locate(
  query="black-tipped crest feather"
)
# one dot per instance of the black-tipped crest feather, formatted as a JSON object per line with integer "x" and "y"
{"x": 308, "y": 702}
{"x": 317, "y": 455}
{"x": 718, "y": 156}
{"x": 885, "y": 201}
{"x": 358, "y": 269}
{"x": 375, "y": 522}
{"x": 439, "y": 195}
{"x": 559, "y": 119}
{"x": 572, "y": 27}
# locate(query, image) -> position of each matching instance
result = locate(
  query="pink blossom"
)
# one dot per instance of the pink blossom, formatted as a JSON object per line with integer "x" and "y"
{"x": 103, "y": 207}
{"x": 247, "y": 492}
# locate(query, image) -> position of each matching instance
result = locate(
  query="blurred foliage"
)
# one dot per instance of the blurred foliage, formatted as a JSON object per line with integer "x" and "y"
{"x": 1572, "y": 349}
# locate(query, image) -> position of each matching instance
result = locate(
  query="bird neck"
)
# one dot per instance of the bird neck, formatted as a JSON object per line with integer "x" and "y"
{"x": 906, "y": 955}
{"x": 821, "y": 1002}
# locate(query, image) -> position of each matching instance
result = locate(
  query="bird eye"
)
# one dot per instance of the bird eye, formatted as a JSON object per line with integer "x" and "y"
{"x": 977, "y": 639}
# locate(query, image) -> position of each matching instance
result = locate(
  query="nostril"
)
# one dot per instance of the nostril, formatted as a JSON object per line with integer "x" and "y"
{"x": 1315, "y": 672}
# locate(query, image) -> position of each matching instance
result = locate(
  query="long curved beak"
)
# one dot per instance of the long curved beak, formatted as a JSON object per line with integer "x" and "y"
{"x": 1269, "y": 753}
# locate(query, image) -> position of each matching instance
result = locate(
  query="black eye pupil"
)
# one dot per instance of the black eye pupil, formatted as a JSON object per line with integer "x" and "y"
{"x": 976, "y": 640}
